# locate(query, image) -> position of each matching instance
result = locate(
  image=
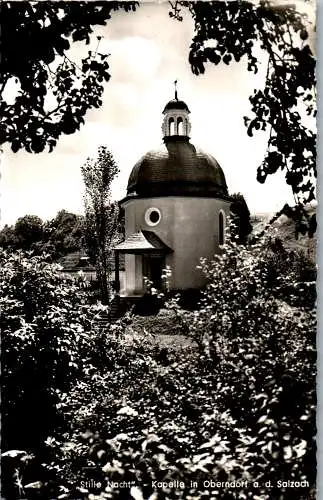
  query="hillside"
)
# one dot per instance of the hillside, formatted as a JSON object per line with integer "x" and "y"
{"x": 284, "y": 228}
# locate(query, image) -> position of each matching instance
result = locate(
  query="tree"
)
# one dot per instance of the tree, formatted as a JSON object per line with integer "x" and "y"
{"x": 65, "y": 232}
{"x": 54, "y": 92}
{"x": 240, "y": 211}
{"x": 230, "y": 31}
{"x": 28, "y": 231}
{"x": 8, "y": 238}
{"x": 101, "y": 214}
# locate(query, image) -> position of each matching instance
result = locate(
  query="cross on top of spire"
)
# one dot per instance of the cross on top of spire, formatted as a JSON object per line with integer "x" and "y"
{"x": 175, "y": 83}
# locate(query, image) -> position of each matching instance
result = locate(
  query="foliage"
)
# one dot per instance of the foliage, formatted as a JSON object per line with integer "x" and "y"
{"x": 241, "y": 407}
{"x": 54, "y": 92}
{"x": 101, "y": 214}
{"x": 57, "y": 237}
{"x": 65, "y": 233}
{"x": 264, "y": 349}
{"x": 290, "y": 275}
{"x": 241, "y": 215}
{"x": 8, "y": 238}
{"x": 28, "y": 230}
{"x": 182, "y": 421}
{"x": 44, "y": 319}
{"x": 229, "y": 32}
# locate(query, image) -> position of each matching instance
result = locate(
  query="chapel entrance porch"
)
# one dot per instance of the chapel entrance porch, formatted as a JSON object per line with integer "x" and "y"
{"x": 145, "y": 259}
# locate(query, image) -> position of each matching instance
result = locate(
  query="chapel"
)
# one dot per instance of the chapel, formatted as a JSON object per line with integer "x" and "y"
{"x": 175, "y": 208}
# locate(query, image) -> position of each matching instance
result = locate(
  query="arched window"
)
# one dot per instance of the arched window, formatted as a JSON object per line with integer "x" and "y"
{"x": 180, "y": 126}
{"x": 221, "y": 228}
{"x": 171, "y": 125}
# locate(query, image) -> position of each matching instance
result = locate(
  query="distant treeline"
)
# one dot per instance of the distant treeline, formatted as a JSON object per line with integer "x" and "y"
{"x": 57, "y": 237}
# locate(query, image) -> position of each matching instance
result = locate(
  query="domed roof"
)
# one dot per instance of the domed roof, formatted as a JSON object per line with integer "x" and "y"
{"x": 176, "y": 104}
{"x": 177, "y": 169}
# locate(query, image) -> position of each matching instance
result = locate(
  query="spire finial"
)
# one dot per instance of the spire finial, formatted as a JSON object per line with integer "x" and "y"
{"x": 175, "y": 83}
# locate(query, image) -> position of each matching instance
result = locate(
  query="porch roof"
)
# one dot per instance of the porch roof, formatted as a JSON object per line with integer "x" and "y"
{"x": 141, "y": 242}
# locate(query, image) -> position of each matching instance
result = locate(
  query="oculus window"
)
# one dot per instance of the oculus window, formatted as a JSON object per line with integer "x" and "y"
{"x": 152, "y": 216}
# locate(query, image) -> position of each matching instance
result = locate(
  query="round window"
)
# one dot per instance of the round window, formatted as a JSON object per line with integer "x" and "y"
{"x": 152, "y": 216}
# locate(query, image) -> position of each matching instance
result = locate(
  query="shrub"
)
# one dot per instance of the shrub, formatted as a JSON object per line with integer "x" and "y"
{"x": 45, "y": 341}
{"x": 263, "y": 350}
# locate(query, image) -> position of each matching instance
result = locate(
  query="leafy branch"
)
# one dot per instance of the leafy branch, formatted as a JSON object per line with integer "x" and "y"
{"x": 43, "y": 33}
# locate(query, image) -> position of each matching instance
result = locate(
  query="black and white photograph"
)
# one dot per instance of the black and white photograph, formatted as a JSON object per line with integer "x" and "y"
{"x": 158, "y": 262}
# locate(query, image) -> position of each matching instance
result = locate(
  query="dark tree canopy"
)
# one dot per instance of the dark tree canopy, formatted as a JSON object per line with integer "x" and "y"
{"x": 64, "y": 233}
{"x": 28, "y": 230}
{"x": 35, "y": 39}
{"x": 230, "y": 31}
{"x": 57, "y": 237}
{"x": 241, "y": 214}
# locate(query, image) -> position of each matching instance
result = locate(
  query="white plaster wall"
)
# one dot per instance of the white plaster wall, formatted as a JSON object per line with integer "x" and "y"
{"x": 190, "y": 226}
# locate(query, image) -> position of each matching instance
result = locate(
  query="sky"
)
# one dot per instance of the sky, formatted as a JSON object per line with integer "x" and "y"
{"x": 148, "y": 52}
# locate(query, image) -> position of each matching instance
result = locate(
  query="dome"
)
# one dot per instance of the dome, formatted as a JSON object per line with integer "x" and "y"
{"x": 176, "y": 104}
{"x": 178, "y": 169}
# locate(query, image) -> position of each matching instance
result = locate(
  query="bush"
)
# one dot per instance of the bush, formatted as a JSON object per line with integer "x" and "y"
{"x": 45, "y": 341}
{"x": 263, "y": 350}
